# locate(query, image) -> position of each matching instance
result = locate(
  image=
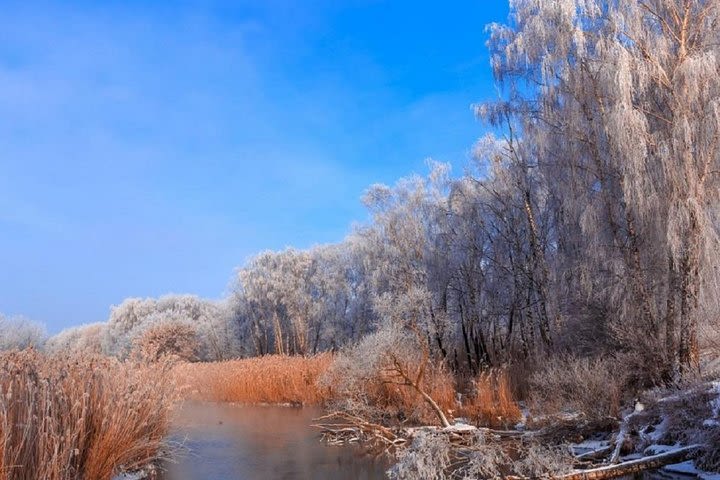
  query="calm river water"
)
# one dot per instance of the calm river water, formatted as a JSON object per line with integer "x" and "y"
{"x": 234, "y": 442}
{"x": 228, "y": 442}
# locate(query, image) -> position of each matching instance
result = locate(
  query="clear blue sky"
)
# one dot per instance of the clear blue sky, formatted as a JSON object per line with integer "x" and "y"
{"x": 148, "y": 148}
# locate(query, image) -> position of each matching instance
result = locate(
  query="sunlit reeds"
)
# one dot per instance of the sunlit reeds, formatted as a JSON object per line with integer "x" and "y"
{"x": 273, "y": 379}
{"x": 491, "y": 403}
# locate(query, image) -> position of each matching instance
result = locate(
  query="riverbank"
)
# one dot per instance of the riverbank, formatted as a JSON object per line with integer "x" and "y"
{"x": 98, "y": 417}
{"x": 675, "y": 425}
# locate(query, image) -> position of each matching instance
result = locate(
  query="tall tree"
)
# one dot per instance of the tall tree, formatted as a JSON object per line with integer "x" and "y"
{"x": 621, "y": 101}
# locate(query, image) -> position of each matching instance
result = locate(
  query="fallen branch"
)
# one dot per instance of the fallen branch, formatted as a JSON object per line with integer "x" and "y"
{"x": 594, "y": 454}
{"x": 620, "y": 439}
{"x": 350, "y": 429}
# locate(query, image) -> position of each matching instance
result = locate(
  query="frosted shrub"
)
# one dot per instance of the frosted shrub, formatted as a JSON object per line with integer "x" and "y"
{"x": 538, "y": 461}
{"x": 709, "y": 458}
{"x": 427, "y": 458}
{"x": 432, "y": 456}
{"x": 133, "y": 317}
{"x": 81, "y": 339}
{"x": 174, "y": 341}
{"x": 592, "y": 387}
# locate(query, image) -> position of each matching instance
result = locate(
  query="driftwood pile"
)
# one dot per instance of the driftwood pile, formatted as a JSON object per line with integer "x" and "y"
{"x": 602, "y": 463}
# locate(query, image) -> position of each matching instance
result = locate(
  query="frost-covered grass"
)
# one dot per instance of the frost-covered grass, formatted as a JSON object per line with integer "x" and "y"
{"x": 273, "y": 379}
{"x": 72, "y": 417}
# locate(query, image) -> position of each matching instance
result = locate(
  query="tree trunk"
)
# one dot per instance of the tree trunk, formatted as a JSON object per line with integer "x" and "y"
{"x": 688, "y": 356}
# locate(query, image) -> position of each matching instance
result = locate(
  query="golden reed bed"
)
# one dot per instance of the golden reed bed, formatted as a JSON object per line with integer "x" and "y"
{"x": 273, "y": 379}
{"x": 279, "y": 379}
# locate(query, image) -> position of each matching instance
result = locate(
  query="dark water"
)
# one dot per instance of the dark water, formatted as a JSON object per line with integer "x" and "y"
{"x": 223, "y": 442}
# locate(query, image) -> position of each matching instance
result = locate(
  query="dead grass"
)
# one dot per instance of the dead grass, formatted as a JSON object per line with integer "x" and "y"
{"x": 270, "y": 379}
{"x": 78, "y": 417}
{"x": 492, "y": 402}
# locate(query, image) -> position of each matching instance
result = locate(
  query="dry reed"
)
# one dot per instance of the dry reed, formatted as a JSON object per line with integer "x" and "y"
{"x": 79, "y": 417}
{"x": 280, "y": 379}
{"x": 275, "y": 379}
{"x": 492, "y": 403}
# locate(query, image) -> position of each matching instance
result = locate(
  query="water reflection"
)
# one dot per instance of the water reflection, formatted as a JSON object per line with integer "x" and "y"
{"x": 251, "y": 442}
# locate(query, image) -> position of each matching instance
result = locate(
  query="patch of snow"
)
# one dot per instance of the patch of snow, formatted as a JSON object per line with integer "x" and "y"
{"x": 659, "y": 431}
{"x": 655, "y": 449}
{"x": 686, "y": 468}
{"x": 589, "y": 446}
{"x": 632, "y": 456}
{"x": 460, "y": 427}
{"x": 689, "y": 468}
{"x": 131, "y": 476}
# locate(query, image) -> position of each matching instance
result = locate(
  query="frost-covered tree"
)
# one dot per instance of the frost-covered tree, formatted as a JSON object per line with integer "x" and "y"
{"x": 619, "y": 102}
{"x": 80, "y": 339}
{"x": 211, "y": 320}
{"x": 403, "y": 246}
{"x": 301, "y": 302}
{"x": 20, "y": 332}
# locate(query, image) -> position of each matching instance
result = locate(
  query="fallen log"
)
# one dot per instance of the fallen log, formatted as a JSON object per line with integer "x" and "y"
{"x": 594, "y": 454}
{"x": 620, "y": 439}
{"x": 632, "y": 466}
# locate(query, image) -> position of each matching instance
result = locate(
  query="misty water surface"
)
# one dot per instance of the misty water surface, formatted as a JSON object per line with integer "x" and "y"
{"x": 224, "y": 442}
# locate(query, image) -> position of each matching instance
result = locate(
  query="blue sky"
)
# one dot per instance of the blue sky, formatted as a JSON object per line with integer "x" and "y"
{"x": 152, "y": 148}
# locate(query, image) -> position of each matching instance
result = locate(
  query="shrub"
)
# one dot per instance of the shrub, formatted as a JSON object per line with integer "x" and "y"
{"x": 70, "y": 417}
{"x": 369, "y": 379}
{"x": 216, "y": 329}
{"x": 590, "y": 387}
{"x": 172, "y": 341}
{"x": 428, "y": 457}
{"x": 431, "y": 455}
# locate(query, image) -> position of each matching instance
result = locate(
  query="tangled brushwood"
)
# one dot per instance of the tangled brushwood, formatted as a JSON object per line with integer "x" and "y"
{"x": 71, "y": 417}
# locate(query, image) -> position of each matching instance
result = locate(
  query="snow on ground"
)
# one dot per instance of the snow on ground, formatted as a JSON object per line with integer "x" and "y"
{"x": 131, "y": 476}
{"x": 656, "y": 448}
{"x": 714, "y": 420}
{"x": 689, "y": 468}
